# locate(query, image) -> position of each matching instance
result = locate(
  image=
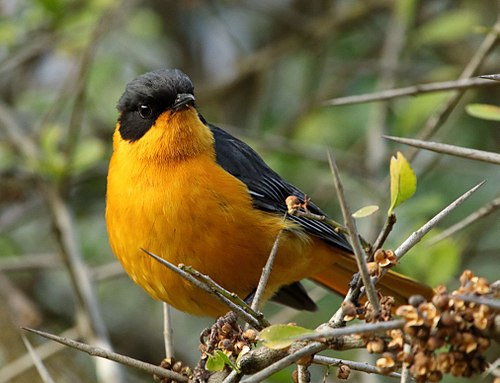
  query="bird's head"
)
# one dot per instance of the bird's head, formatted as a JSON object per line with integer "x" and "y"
{"x": 158, "y": 116}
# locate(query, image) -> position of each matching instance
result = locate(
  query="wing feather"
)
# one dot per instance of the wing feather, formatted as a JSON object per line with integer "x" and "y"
{"x": 267, "y": 189}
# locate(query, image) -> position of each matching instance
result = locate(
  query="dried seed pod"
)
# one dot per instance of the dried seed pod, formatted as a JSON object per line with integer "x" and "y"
{"x": 386, "y": 364}
{"x": 343, "y": 372}
{"x": 350, "y": 310}
{"x": 416, "y": 300}
{"x": 375, "y": 346}
{"x": 250, "y": 335}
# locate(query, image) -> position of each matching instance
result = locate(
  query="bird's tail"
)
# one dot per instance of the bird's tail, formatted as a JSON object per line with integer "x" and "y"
{"x": 394, "y": 284}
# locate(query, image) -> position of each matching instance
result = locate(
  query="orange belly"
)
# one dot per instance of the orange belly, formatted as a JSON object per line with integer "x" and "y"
{"x": 195, "y": 213}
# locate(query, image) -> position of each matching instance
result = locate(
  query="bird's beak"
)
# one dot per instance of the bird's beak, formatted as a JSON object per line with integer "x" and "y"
{"x": 182, "y": 100}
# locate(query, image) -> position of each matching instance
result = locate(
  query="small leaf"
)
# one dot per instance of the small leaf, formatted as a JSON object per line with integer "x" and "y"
{"x": 365, "y": 211}
{"x": 403, "y": 181}
{"x": 218, "y": 361}
{"x": 282, "y": 335}
{"x": 484, "y": 111}
{"x": 215, "y": 362}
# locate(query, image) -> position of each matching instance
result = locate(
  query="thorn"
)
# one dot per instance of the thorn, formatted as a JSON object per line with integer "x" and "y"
{"x": 494, "y": 77}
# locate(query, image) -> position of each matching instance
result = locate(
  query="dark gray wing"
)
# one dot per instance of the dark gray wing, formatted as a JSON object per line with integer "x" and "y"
{"x": 268, "y": 190}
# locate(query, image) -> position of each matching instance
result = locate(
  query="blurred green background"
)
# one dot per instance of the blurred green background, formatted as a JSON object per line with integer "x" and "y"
{"x": 262, "y": 71}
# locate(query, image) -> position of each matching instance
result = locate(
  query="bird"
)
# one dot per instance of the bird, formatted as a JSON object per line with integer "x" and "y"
{"x": 193, "y": 194}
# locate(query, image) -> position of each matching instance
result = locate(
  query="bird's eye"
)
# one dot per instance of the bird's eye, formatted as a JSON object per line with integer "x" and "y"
{"x": 145, "y": 111}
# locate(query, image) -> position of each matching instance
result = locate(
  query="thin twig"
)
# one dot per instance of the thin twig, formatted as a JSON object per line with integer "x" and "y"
{"x": 303, "y": 375}
{"x": 370, "y": 328}
{"x": 264, "y": 278}
{"x": 437, "y": 119}
{"x": 491, "y": 302}
{"x": 405, "y": 371}
{"x": 210, "y": 283}
{"x": 338, "y": 318}
{"x": 64, "y": 231}
{"x": 472, "y": 154}
{"x": 263, "y": 374}
{"x": 329, "y": 221}
{"x": 413, "y": 90}
{"x": 23, "y": 363}
{"x": 37, "y": 361}
{"x": 168, "y": 332}
{"x": 90, "y": 318}
{"x": 30, "y": 262}
{"x": 482, "y": 212}
{"x": 317, "y": 217}
{"x": 494, "y": 77}
{"x": 263, "y": 357}
{"x": 122, "y": 359}
{"x": 351, "y": 226}
{"x": 416, "y": 236}
{"x": 22, "y": 310}
{"x": 266, "y": 272}
{"x": 240, "y": 310}
{"x": 358, "y": 366}
{"x": 232, "y": 377}
{"x": 384, "y": 233}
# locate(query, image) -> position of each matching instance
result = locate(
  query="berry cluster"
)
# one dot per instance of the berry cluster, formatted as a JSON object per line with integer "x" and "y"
{"x": 448, "y": 335}
{"x": 226, "y": 335}
{"x": 175, "y": 366}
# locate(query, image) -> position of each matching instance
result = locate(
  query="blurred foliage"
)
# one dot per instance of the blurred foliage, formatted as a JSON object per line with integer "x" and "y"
{"x": 262, "y": 70}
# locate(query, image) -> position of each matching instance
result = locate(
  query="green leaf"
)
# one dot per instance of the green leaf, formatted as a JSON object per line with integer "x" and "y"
{"x": 448, "y": 27}
{"x": 365, "y": 211}
{"x": 403, "y": 181}
{"x": 282, "y": 335}
{"x": 484, "y": 111}
{"x": 218, "y": 361}
{"x": 215, "y": 362}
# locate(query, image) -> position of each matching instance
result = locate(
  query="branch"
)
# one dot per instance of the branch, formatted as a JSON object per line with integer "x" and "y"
{"x": 63, "y": 227}
{"x": 263, "y": 374}
{"x": 416, "y": 236}
{"x": 102, "y": 353}
{"x": 303, "y": 375}
{"x": 405, "y": 371}
{"x": 491, "y": 302}
{"x": 264, "y": 362}
{"x": 266, "y": 272}
{"x": 413, "y": 90}
{"x": 358, "y": 366}
{"x": 168, "y": 332}
{"x": 473, "y": 154}
{"x": 384, "y": 233}
{"x": 370, "y": 328}
{"x": 23, "y": 363}
{"x": 484, "y": 211}
{"x": 240, "y": 308}
{"x": 435, "y": 121}
{"x": 351, "y": 226}
{"x": 42, "y": 370}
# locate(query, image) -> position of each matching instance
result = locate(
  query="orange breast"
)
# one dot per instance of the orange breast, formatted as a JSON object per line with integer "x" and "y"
{"x": 195, "y": 213}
